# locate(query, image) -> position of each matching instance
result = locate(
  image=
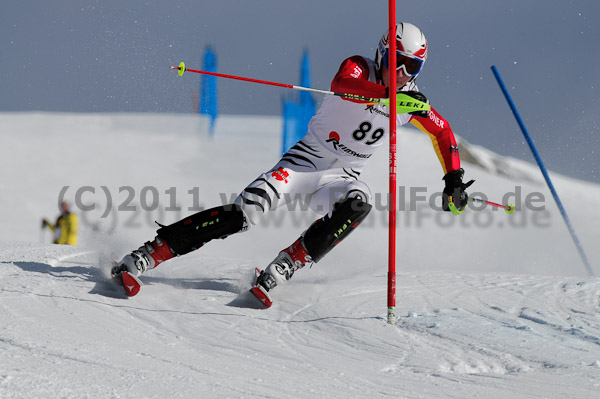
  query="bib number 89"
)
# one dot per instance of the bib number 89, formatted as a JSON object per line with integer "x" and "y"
{"x": 363, "y": 131}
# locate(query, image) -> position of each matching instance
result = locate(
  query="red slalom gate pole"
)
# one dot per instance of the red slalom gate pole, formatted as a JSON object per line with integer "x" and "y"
{"x": 391, "y": 300}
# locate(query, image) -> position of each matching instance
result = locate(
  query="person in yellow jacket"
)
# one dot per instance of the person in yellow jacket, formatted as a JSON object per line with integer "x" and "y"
{"x": 65, "y": 228}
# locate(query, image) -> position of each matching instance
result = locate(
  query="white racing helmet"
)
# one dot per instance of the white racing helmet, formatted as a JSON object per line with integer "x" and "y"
{"x": 411, "y": 50}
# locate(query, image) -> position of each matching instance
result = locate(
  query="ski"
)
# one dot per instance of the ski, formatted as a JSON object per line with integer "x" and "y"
{"x": 130, "y": 283}
{"x": 260, "y": 292}
{"x": 132, "y": 286}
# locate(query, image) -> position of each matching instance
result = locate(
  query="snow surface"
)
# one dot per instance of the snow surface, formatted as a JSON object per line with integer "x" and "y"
{"x": 489, "y": 305}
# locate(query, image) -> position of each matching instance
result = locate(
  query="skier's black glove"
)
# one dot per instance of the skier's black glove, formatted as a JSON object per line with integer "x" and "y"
{"x": 455, "y": 190}
{"x": 420, "y": 97}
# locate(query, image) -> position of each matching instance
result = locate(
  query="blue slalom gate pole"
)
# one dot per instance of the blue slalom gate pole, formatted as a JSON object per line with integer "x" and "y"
{"x": 544, "y": 171}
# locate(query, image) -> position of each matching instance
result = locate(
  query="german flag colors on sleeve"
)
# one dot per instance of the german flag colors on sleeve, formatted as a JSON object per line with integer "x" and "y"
{"x": 442, "y": 137}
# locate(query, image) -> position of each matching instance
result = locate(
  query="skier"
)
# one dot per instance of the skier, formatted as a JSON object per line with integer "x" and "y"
{"x": 65, "y": 228}
{"x": 325, "y": 166}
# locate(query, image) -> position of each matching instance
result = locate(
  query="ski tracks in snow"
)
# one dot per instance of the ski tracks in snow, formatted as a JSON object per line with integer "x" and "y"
{"x": 513, "y": 327}
{"x": 466, "y": 335}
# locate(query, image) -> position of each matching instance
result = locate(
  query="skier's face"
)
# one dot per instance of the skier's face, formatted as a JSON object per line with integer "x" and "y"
{"x": 401, "y": 78}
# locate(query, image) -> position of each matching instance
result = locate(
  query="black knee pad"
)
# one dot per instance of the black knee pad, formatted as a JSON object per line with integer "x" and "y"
{"x": 327, "y": 232}
{"x": 194, "y": 231}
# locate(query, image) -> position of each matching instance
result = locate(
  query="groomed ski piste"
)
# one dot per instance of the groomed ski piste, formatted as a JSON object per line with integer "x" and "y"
{"x": 489, "y": 305}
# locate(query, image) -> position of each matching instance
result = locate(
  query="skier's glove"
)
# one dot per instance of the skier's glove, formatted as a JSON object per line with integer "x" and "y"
{"x": 420, "y": 97}
{"x": 455, "y": 190}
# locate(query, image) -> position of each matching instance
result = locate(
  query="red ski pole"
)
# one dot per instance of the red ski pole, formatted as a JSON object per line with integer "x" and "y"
{"x": 404, "y": 104}
{"x": 507, "y": 208}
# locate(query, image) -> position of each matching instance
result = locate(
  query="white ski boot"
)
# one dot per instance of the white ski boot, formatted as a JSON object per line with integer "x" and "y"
{"x": 282, "y": 268}
{"x": 148, "y": 256}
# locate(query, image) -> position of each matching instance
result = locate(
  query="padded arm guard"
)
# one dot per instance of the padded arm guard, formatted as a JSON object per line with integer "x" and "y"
{"x": 327, "y": 232}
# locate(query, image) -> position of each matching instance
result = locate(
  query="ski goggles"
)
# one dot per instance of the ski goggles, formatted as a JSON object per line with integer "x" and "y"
{"x": 410, "y": 64}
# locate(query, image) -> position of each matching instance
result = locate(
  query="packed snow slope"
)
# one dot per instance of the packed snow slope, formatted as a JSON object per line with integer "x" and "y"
{"x": 489, "y": 305}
